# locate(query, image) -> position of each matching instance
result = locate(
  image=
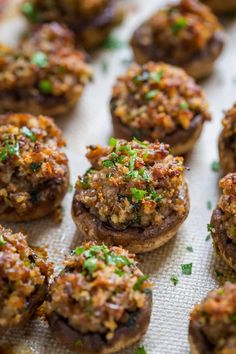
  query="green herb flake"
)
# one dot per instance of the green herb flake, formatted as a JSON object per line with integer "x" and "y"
{"x": 209, "y": 227}
{"x": 186, "y": 268}
{"x": 174, "y": 279}
{"x": 45, "y": 86}
{"x": 90, "y": 264}
{"x": 207, "y": 238}
{"x": 215, "y": 166}
{"x": 108, "y": 163}
{"x": 3, "y": 154}
{"x": 156, "y": 76}
{"x": 119, "y": 272}
{"x": 113, "y": 142}
{"x": 141, "y": 350}
{"x": 79, "y": 250}
{"x": 145, "y": 174}
{"x": 209, "y": 205}
{"x": 151, "y": 94}
{"x": 30, "y": 11}
{"x": 2, "y": 240}
{"x": 179, "y": 25}
{"x": 113, "y": 43}
{"x": 189, "y": 249}
{"x": 138, "y": 194}
{"x": 184, "y": 105}
{"x": 29, "y": 134}
{"x": 137, "y": 286}
{"x": 35, "y": 166}
{"x": 40, "y": 59}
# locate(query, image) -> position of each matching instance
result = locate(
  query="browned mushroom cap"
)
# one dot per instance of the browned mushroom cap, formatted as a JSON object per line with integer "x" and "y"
{"x": 44, "y": 74}
{"x": 34, "y": 172}
{"x": 223, "y": 222}
{"x": 23, "y": 280}
{"x": 159, "y": 101}
{"x": 221, "y": 7}
{"x": 212, "y": 324}
{"x": 227, "y": 142}
{"x": 134, "y": 195}
{"x": 92, "y": 21}
{"x": 187, "y": 35}
{"x": 101, "y": 302}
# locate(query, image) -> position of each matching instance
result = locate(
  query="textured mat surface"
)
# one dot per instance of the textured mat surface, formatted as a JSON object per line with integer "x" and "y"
{"x": 90, "y": 123}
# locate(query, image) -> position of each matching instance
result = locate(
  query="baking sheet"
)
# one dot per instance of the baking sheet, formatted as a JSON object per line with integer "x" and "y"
{"x": 90, "y": 123}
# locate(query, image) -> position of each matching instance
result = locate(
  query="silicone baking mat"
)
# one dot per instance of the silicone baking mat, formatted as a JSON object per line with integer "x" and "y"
{"x": 90, "y": 123}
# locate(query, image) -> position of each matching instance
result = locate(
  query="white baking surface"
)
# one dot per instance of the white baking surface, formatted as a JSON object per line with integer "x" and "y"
{"x": 90, "y": 123}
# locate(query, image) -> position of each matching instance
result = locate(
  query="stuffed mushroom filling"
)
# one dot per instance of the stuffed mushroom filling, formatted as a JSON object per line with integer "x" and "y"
{"x": 215, "y": 319}
{"x": 33, "y": 167}
{"x": 22, "y": 274}
{"x": 45, "y": 69}
{"x": 99, "y": 290}
{"x": 179, "y": 32}
{"x": 132, "y": 184}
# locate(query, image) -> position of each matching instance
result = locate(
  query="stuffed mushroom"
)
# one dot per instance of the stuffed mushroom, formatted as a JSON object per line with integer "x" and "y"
{"x": 223, "y": 221}
{"x": 92, "y": 21}
{"x": 44, "y": 74}
{"x": 221, "y": 7}
{"x": 227, "y": 142}
{"x": 24, "y": 276}
{"x": 159, "y": 101}
{"x": 185, "y": 34}
{"x": 34, "y": 173}
{"x": 212, "y": 325}
{"x": 101, "y": 302}
{"x": 134, "y": 195}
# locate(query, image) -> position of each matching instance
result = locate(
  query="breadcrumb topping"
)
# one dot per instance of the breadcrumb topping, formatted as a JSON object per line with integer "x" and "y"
{"x": 132, "y": 184}
{"x": 157, "y": 99}
{"x": 217, "y": 318}
{"x": 22, "y": 273}
{"x": 32, "y": 163}
{"x": 99, "y": 289}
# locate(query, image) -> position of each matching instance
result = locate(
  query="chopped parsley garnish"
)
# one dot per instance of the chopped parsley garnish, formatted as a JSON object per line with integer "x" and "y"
{"x": 179, "y": 24}
{"x": 45, "y": 87}
{"x": 2, "y": 240}
{"x": 145, "y": 174}
{"x": 209, "y": 227}
{"x": 79, "y": 250}
{"x": 35, "y": 166}
{"x": 9, "y": 149}
{"x": 137, "y": 286}
{"x": 30, "y": 11}
{"x": 189, "y": 249}
{"x": 90, "y": 264}
{"x": 184, "y": 105}
{"x": 108, "y": 163}
{"x": 114, "y": 43}
{"x": 84, "y": 182}
{"x": 156, "y": 76}
{"x": 40, "y": 59}
{"x": 151, "y": 94}
{"x": 207, "y": 238}
{"x": 144, "y": 76}
{"x": 154, "y": 196}
{"x": 174, "y": 279}
{"x": 29, "y": 134}
{"x": 209, "y": 205}
{"x": 119, "y": 272}
{"x": 138, "y": 194}
{"x": 140, "y": 142}
{"x": 118, "y": 261}
{"x": 215, "y": 166}
{"x": 113, "y": 142}
{"x": 141, "y": 350}
{"x": 186, "y": 268}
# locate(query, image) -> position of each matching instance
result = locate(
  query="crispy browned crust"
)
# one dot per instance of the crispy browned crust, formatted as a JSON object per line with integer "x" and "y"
{"x": 200, "y": 66}
{"x": 181, "y": 141}
{"x": 198, "y": 342}
{"x": 124, "y": 336}
{"x": 35, "y": 301}
{"x": 134, "y": 239}
{"x": 221, "y": 7}
{"x": 224, "y": 245}
{"x": 227, "y": 158}
{"x": 39, "y": 210}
